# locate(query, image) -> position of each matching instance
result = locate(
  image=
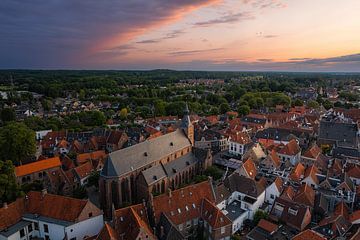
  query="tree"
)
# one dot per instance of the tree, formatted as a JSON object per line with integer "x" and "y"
{"x": 159, "y": 108}
{"x": 327, "y": 104}
{"x": 313, "y": 104}
{"x": 9, "y": 189}
{"x": 259, "y": 215}
{"x": 46, "y": 104}
{"x": 298, "y": 102}
{"x": 224, "y": 107}
{"x": 214, "y": 172}
{"x": 82, "y": 94}
{"x": 123, "y": 113}
{"x": 93, "y": 179}
{"x": 7, "y": 115}
{"x": 244, "y": 110}
{"x": 17, "y": 142}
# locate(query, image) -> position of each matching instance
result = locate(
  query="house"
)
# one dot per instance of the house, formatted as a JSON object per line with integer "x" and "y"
{"x": 297, "y": 173}
{"x": 273, "y": 191}
{"x": 247, "y": 196}
{"x": 291, "y": 152}
{"x": 247, "y": 169}
{"x": 313, "y": 156}
{"x": 47, "y": 216}
{"x": 211, "y": 139}
{"x": 271, "y": 161}
{"x": 83, "y": 172}
{"x": 309, "y": 234}
{"x": 337, "y": 224}
{"x": 180, "y": 212}
{"x": 310, "y": 176}
{"x": 305, "y": 196}
{"x": 116, "y": 140}
{"x": 38, "y": 170}
{"x": 263, "y": 231}
{"x": 255, "y": 153}
{"x": 292, "y": 214}
{"x": 239, "y": 142}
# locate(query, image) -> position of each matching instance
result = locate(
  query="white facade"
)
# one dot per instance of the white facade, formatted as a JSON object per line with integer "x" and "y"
{"x": 236, "y": 148}
{"x": 293, "y": 159}
{"x": 271, "y": 193}
{"x": 41, "y": 134}
{"x": 57, "y": 230}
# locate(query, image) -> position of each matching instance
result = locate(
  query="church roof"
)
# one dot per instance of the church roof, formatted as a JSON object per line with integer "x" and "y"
{"x": 134, "y": 157}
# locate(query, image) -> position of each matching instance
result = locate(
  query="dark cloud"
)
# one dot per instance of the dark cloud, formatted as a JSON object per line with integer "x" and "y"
{"x": 61, "y": 33}
{"x": 266, "y": 3}
{"x": 270, "y": 36}
{"x": 191, "y": 52}
{"x": 341, "y": 59}
{"x": 170, "y": 35}
{"x": 230, "y": 18}
{"x": 264, "y": 60}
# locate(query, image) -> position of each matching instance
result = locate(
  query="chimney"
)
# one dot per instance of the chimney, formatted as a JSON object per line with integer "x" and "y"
{"x": 5, "y": 206}
{"x": 43, "y": 192}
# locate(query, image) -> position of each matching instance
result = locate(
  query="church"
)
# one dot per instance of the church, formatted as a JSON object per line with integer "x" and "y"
{"x": 170, "y": 161}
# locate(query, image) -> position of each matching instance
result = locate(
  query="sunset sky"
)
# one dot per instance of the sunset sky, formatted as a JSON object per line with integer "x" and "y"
{"x": 237, "y": 35}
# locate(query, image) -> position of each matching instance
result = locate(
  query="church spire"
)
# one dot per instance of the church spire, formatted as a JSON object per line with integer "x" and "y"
{"x": 186, "y": 125}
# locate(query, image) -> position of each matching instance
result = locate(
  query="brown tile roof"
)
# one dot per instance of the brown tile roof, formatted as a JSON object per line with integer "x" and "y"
{"x": 48, "y": 205}
{"x": 107, "y": 233}
{"x": 313, "y": 152}
{"x": 297, "y": 172}
{"x": 213, "y": 215}
{"x": 309, "y": 234}
{"x": 355, "y": 216}
{"x": 239, "y": 137}
{"x": 342, "y": 209}
{"x": 275, "y": 158}
{"x": 291, "y": 149}
{"x": 55, "y": 206}
{"x": 67, "y": 163}
{"x": 267, "y": 226}
{"x": 305, "y": 196}
{"x": 183, "y": 204}
{"x": 312, "y": 171}
{"x": 84, "y": 157}
{"x": 250, "y": 168}
{"x": 11, "y": 214}
{"x": 130, "y": 221}
{"x": 354, "y": 172}
{"x": 288, "y": 193}
{"x": 84, "y": 170}
{"x": 37, "y": 166}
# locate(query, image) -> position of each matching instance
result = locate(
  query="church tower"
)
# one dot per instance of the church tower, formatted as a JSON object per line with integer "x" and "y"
{"x": 187, "y": 126}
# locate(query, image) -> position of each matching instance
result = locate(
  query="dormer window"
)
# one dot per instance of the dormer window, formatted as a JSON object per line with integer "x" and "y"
{"x": 171, "y": 144}
{"x": 145, "y": 154}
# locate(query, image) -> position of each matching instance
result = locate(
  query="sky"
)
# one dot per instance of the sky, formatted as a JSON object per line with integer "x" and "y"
{"x": 225, "y": 35}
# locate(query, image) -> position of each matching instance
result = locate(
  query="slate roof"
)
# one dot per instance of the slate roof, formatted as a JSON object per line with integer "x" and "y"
{"x": 134, "y": 157}
{"x": 177, "y": 165}
{"x": 154, "y": 174}
{"x": 245, "y": 185}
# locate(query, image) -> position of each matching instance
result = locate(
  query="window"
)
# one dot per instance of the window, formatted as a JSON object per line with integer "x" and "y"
{"x": 222, "y": 230}
{"x": 90, "y": 215}
{"x": 46, "y": 228}
{"x": 272, "y": 196}
{"x": 30, "y": 228}
{"x": 74, "y": 238}
{"x": 47, "y": 237}
{"x": 22, "y": 233}
{"x": 36, "y": 226}
{"x": 180, "y": 227}
{"x": 40, "y": 175}
{"x": 293, "y": 211}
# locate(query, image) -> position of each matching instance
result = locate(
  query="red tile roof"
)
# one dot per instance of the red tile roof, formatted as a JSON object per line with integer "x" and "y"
{"x": 312, "y": 152}
{"x": 107, "y": 233}
{"x": 213, "y": 215}
{"x": 309, "y": 234}
{"x": 84, "y": 170}
{"x": 355, "y": 216}
{"x": 267, "y": 226}
{"x": 239, "y": 137}
{"x": 37, "y": 166}
{"x": 250, "y": 168}
{"x": 354, "y": 172}
{"x": 311, "y": 172}
{"x": 11, "y": 214}
{"x": 183, "y": 204}
{"x": 297, "y": 172}
{"x": 288, "y": 193}
{"x": 342, "y": 209}
{"x": 291, "y": 149}
{"x": 84, "y": 157}
{"x": 305, "y": 196}
{"x": 279, "y": 183}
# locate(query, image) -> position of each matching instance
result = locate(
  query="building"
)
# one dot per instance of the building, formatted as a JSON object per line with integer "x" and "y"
{"x": 273, "y": 191}
{"x": 46, "y": 216}
{"x": 127, "y": 169}
{"x": 38, "y": 170}
{"x": 239, "y": 142}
